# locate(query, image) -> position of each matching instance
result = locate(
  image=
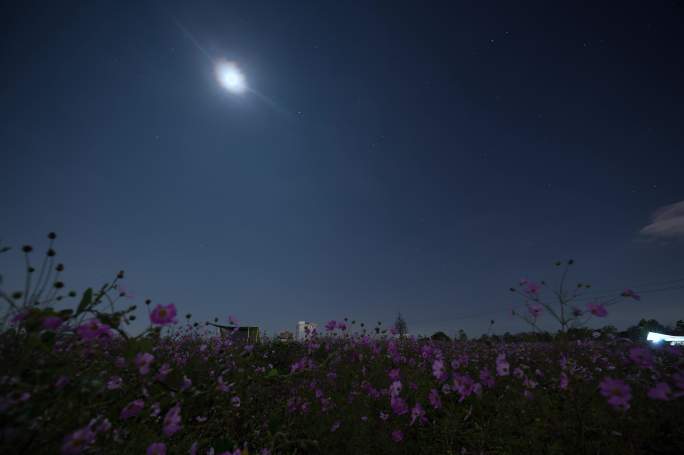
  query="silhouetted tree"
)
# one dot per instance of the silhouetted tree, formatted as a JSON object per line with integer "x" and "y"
{"x": 440, "y": 336}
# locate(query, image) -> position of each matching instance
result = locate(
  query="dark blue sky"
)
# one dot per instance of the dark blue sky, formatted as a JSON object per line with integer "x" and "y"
{"x": 417, "y": 157}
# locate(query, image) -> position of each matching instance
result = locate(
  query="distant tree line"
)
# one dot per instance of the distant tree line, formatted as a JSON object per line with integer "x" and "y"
{"x": 635, "y": 332}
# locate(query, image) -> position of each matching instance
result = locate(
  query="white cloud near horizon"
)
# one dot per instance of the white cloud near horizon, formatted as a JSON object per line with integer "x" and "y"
{"x": 666, "y": 222}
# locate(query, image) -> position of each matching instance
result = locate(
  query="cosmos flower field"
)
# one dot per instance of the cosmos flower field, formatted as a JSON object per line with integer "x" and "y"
{"x": 73, "y": 381}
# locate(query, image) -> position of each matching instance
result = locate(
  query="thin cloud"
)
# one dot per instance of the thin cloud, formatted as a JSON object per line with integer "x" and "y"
{"x": 667, "y": 222}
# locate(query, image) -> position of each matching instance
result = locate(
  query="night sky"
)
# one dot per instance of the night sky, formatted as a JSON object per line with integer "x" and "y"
{"x": 419, "y": 157}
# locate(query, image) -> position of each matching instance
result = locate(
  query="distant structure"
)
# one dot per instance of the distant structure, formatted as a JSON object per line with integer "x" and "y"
{"x": 305, "y": 329}
{"x": 240, "y": 334}
{"x": 658, "y": 337}
{"x": 285, "y": 336}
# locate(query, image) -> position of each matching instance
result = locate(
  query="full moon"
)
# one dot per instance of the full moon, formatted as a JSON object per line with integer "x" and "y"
{"x": 230, "y": 77}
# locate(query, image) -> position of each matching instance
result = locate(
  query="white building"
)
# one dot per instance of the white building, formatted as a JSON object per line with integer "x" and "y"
{"x": 304, "y": 329}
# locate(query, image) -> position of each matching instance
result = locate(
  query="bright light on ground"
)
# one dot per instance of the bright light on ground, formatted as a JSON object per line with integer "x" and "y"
{"x": 230, "y": 77}
{"x": 658, "y": 337}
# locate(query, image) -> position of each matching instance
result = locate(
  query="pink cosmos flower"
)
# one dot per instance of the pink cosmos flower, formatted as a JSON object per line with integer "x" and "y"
{"x": 164, "y": 371}
{"x": 342, "y": 326}
{"x": 597, "y": 309}
{"x": 164, "y": 314}
{"x": 486, "y": 378}
{"x": 114, "y": 383}
{"x": 398, "y": 405}
{"x": 660, "y": 391}
{"x": 330, "y": 326}
{"x": 394, "y": 374}
{"x": 235, "y": 401}
{"x": 418, "y": 413}
{"x": 156, "y": 448}
{"x": 438, "y": 369}
{"x": 172, "y": 421}
{"x": 52, "y": 323}
{"x": 232, "y": 320}
{"x": 143, "y": 360}
{"x": 631, "y": 293}
{"x": 93, "y": 329}
{"x": 434, "y": 399}
{"x": 641, "y": 356}
{"x": 395, "y": 388}
{"x": 535, "y": 309}
{"x": 132, "y": 409}
{"x": 78, "y": 441}
{"x": 502, "y": 366}
{"x": 397, "y": 436}
{"x": 617, "y": 392}
{"x": 335, "y": 426}
{"x": 532, "y": 288}
{"x": 185, "y": 384}
{"x": 563, "y": 381}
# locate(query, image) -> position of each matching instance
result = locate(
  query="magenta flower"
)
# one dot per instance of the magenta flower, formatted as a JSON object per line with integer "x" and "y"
{"x": 114, "y": 383}
{"x": 342, "y": 326}
{"x": 185, "y": 384}
{"x": 617, "y": 392}
{"x": 172, "y": 421}
{"x": 235, "y": 401}
{"x": 164, "y": 371}
{"x": 397, "y": 436}
{"x": 394, "y": 374}
{"x": 132, "y": 409}
{"x": 164, "y": 314}
{"x": 486, "y": 378}
{"x": 641, "y": 356}
{"x": 502, "y": 366}
{"x": 156, "y": 448}
{"x": 630, "y": 293}
{"x": 418, "y": 413}
{"x": 93, "y": 329}
{"x": 434, "y": 399}
{"x": 535, "y": 309}
{"x": 143, "y": 360}
{"x": 78, "y": 441}
{"x": 438, "y": 369}
{"x": 532, "y": 288}
{"x": 597, "y": 309}
{"x": 399, "y": 406}
{"x": 330, "y": 326}
{"x": 232, "y": 320}
{"x": 563, "y": 381}
{"x": 395, "y": 388}
{"x": 52, "y": 322}
{"x": 660, "y": 391}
